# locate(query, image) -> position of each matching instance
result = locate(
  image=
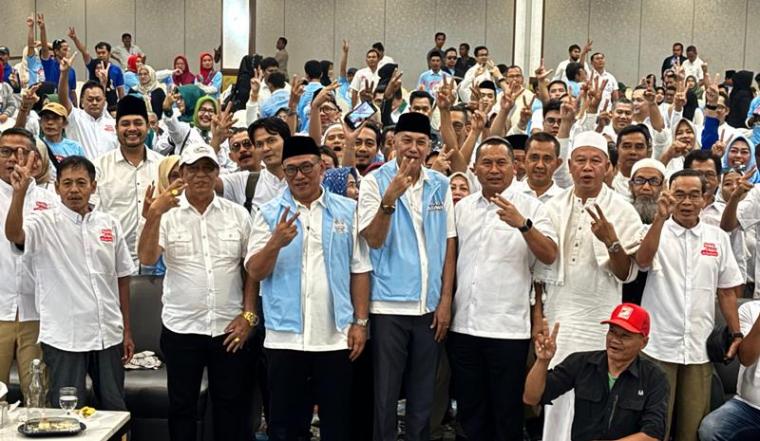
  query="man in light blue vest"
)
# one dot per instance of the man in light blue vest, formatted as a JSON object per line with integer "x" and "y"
{"x": 406, "y": 214}
{"x": 314, "y": 273}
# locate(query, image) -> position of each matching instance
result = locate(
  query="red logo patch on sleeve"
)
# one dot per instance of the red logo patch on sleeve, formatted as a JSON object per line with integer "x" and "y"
{"x": 106, "y": 235}
{"x": 40, "y": 205}
{"x": 709, "y": 249}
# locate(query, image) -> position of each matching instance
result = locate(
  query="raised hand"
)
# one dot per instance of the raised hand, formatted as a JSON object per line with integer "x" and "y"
{"x": 72, "y": 32}
{"x": 255, "y": 87}
{"x": 324, "y": 94}
{"x": 393, "y": 85}
{"x": 168, "y": 199}
{"x": 445, "y": 95}
{"x": 526, "y": 112}
{"x": 368, "y": 91}
{"x": 30, "y": 21}
{"x": 41, "y": 20}
{"x": 602, "y": 229}
{"x": 66, "y": 62}
{"x": 744, "y": 185}
{"x": 666, "y": 203}
{"x": 221, "y": 124}
{"x": 23, "y": 172}
{"x": 345, "y": 47}
{"x": 508, "y": 212}
{"x": 546, "y": 343}
{"x": 148, "y": 199}
{"x": 296, "y": 91}
{"x": 541, "y": 73}
{"x": 29, "y": 96}
{"x": 402, "y": 181}
{"x": 442, "y": 162}
{"x": 719, "y": 147}
{"x": 286, "y": 230}
{"x": 478, "y": 121}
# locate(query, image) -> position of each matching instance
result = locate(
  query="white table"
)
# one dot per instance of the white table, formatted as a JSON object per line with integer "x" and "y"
{"x": 101, "y": 426}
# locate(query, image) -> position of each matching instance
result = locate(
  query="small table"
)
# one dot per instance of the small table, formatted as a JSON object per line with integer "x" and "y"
{"x": 100, "y": 427}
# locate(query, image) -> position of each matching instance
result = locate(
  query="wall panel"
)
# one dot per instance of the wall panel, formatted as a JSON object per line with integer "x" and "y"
{"x": 203, "y": 29}
{"x": 152, "y": 26}
{"x": 309, "y": 27}
{"x": 719, "y": 29}
{"x": 614, "y": 28}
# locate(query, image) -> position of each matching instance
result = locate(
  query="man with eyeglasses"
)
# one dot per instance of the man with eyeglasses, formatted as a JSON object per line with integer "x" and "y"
{"x": 240, "y": 186}
{"x": 313, "y": 266}
{"x": 19, "y": 318}
{"x": 688, "y": 260}
{"x": 208, "y": 307}
{"x": 450, "y": 61}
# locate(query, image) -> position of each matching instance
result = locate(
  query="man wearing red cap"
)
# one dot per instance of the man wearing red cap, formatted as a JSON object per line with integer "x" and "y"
{"x": 618, "y": 393}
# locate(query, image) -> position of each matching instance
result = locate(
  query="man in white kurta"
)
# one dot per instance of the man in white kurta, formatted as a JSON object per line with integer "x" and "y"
{"x": 598, "y": 232}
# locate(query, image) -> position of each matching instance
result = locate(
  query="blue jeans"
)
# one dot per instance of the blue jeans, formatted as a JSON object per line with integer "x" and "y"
{"x": 735, "y": 420}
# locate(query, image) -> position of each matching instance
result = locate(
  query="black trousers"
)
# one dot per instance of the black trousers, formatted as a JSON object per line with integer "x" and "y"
{"x": 297, "y": 381}
{"x": 489, "y": 379}
{"x": 362, "y": 396}
{"x": 404, "y": 352}
{"x": 230, "y": 377}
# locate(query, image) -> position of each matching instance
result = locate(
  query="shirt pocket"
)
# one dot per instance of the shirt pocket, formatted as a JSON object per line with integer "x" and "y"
{"x": 180, "y": 244}
{"x": 230, "y": 242}
{"x": 588, "y": 403}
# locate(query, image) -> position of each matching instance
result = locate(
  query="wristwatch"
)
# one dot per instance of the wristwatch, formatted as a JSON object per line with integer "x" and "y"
{"x": 388, "y": 209}
{"x": 735, "y": 335}
{"x": 361, "y": 322}
{"x": 615, "y": 247}
{"x": 251, "y": 318}
{"x": 525, "y": 228}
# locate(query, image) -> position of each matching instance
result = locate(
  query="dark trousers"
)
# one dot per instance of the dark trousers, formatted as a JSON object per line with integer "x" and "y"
{"x": 404, "y": 350}
{"x": 362, "y": 396}
{"x": 72, "y": 368}
{"x": 230, "y": 377}
{"x": 489, "y": 378}
{"x": 297, "y": 381}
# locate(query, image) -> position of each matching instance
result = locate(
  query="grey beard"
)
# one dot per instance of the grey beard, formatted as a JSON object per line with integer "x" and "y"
{"x": 646, "y": 206}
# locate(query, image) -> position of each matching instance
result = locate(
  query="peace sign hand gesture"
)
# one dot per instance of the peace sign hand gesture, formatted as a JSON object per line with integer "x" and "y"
{"x": 602, "y": 229}
{"x": 442, "y": 163}
{"x": 66, "y": 62}
{"x": 508, "y": 212}
{"x": 23, "y": 172}
{"x": 285, "y": 231}
{"x": 719, "y": 147}
{"x": 541, "y": 73}
{"x": 546, "y": 343}
{"x": 323, "y": 95}
{"x": 402, "y": 181}
{"x": 166, "y": 200}
{"x": 744, "y": 185}
{"x": 221, "y": 124}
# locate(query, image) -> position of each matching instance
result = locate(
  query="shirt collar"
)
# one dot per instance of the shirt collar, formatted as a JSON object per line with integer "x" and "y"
{"x": 319, "y": 201}
{"x": 679, "y": 230}
{"x": 121, "y": 158}
{"x": 74, "y": 216}
{"x": 185, "y": 204}
{"x": 600, "y": 360}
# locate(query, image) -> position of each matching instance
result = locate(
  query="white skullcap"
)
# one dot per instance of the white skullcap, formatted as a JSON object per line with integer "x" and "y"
{"x": 648, "y": 163}
{"x": 590, "y": 139}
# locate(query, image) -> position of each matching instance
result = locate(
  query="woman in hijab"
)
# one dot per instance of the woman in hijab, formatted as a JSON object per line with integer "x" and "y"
{"x": 131, "y": 75}
{"x": 460, "y": 186}
{"x": 208, "y": 79}
{"x": 342, "y": 181}
{"x": 148, "y": 87}
{"x": 740, "y": 99}
{"x": 182, "y": 75}
{"x": 168, "y": 172}
{"x": 685, "y": 139}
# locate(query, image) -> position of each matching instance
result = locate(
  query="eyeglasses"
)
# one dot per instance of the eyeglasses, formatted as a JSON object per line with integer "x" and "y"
{"x": 306, "y": 168}
{"x": 680, "y": 197}
{"x": 236, "y": 146}
{"x": 553, "y": 121}
{"x": 7, "y": 152}
{"x": 653, "y": 182}
{"x": 327, "y": 109}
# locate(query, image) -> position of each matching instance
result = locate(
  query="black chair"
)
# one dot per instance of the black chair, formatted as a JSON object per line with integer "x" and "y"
{"x": 146, "y": 394}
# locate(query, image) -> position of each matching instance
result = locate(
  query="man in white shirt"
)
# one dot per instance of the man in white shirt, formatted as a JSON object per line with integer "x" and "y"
{"x": 688, "y": 261}
{"x": 282, "y": 55}
{"x": 406, "y": 214}
{"x": 208, "y": 308}
{"x": 314, "y": 273}
{"x": 124, "y": 174}
{"x": 126, "y": 49}
{"x": 598, "y": 233}
{"x": 366, "y": 76}
{"x": 541, "y": 161}
{"x": 82, "y": 267}
{"x": 575, "y": 54}
{"x": 610, "y": 94}
{"x": 500, "y": 229}
{"x": 743, "y": 210}
{"x": 92, "y": 125}
{"x": 384, "y": 59}
{"x": 633, "y": 144}
{"x": 739, "y": 418}
{"x": 268, "y": 136}
{"x": 19, "y": 319}
{"x": 692, "y": 66}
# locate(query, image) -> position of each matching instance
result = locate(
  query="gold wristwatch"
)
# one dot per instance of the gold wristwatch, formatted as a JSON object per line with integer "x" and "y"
{"x": 251, "y": 318}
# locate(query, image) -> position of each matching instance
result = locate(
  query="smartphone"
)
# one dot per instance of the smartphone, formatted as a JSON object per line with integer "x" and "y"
{"x": 360, "y": 113}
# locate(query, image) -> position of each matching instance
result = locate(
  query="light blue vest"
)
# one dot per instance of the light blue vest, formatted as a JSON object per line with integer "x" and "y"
{"x": 396, "y": 275}
{"x": 281, "y": 291}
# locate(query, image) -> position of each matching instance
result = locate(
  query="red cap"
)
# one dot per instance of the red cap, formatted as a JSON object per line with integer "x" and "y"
{"x": 632, "y": 318}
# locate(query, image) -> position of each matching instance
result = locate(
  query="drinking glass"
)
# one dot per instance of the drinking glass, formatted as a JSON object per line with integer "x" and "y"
{"x": 67, "y": 399}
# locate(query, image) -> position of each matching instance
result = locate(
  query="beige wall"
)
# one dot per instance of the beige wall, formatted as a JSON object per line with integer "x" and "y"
{"x": 162, "y": 28}
{"x": 636, "y": 35}
{"x": 315, "y": 29}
